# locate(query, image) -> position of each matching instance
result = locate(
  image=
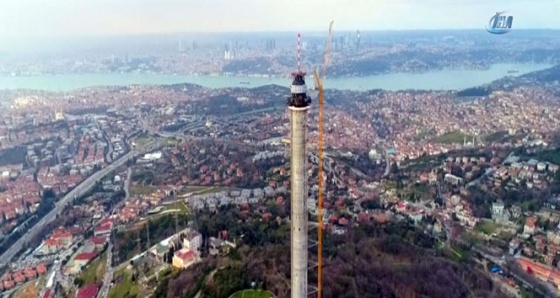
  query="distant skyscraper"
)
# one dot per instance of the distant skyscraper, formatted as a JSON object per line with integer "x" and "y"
{"x": 229, "y": 55}
{"x": 270, "y": 44}
{"x": 181, "y": 48}
{"x": 358, "y": 38}
{"x": 229, "y": 52}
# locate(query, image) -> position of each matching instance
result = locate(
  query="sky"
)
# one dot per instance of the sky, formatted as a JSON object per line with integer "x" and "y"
{"x": 24, "y": 19}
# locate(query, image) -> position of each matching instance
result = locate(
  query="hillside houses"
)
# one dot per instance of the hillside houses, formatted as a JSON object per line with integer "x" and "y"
{"x": 237, "y": 197}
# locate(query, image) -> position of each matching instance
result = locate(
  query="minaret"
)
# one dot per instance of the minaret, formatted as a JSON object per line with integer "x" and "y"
{"x": 298, "y": 104}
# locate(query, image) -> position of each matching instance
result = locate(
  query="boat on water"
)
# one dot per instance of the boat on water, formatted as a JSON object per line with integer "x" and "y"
{"x": 513, "y": 71}
{"x": 245, "y": 83}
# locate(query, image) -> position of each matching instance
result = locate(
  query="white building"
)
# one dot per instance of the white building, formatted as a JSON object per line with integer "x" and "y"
{"x": 192, "y": 241}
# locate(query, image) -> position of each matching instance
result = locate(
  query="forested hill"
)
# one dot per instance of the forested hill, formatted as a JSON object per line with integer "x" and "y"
{"x": 541, "y": 77}
{"x": 548, "y": 75}
{"x": 393, "y": 260}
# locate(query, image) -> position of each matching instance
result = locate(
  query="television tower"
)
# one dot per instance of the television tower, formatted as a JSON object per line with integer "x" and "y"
{"x": 298, "y": 104}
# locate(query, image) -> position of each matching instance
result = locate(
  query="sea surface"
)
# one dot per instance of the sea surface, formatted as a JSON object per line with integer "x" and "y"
{"x": 433, "y": 80}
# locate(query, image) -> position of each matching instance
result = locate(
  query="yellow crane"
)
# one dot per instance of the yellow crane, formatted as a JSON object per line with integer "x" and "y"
{"x": 319, "y": 87}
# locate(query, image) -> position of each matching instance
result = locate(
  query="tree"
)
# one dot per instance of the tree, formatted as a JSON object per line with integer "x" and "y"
{"x": 169, "y": 255}
{"x": 394, "y": 168}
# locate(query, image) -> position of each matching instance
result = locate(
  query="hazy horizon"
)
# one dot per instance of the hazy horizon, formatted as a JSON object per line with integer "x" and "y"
{"x": 22, "y": 20}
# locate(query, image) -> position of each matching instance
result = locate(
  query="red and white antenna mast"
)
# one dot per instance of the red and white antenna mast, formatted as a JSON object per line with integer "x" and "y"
{"x": 298, "y": 72}
{"x": 299, "y": 53}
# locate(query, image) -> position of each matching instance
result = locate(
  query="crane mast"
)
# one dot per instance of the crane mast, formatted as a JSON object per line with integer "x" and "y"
{"x": 319, "y": 87}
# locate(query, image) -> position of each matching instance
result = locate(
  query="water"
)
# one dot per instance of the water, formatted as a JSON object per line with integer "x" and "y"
{"x": 443, "y": 80}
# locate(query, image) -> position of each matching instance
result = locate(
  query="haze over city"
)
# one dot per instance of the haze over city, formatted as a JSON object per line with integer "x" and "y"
{"x": 22, "y": 19}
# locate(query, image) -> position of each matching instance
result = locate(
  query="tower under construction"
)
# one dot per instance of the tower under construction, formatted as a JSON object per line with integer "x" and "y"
{"x": 298, "y": 105}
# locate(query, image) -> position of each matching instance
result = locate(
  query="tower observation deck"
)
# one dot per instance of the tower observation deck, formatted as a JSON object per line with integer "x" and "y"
{"x": 298, "y": 90}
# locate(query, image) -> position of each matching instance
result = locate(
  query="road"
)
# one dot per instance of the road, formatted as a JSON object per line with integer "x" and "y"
{"x": 127, "y": 183}
{"x": 388, "y": 164}
{"x": 479, "y": 140}
{"x": 489, "y": 171}
{"x": 106, "y": 287}
{"x": 79, "y": 190}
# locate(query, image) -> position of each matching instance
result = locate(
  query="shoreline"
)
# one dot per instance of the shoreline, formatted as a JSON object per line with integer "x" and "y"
{"x": 263, "y": 76}
{"x": 430, "y": 80}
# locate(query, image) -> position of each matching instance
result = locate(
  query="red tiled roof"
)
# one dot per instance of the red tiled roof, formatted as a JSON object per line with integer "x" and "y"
{"x": 89, "y": 291}
{"x": 86, "y": 256}
{"x": 41, "y": 268}
{"x": 47, "y": 293}
{"x": 19, "y": 278}
{"x": 104, "y": 227}
{"x": 542, "y": 271}
{"x": 51, "y": 242}
{"x": 185, "y": 254}
{"x": 98, "y": 240}
{"x": 61, "y": 234}
{"x": 530, "y": 222}
{"x": 30, "y": 273}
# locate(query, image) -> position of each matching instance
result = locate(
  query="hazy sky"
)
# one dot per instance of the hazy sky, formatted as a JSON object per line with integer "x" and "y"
{"x": 22, "y": 19}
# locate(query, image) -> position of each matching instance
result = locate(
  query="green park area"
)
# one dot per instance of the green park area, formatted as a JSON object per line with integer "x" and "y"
{"x": 252, "y": 294}
{"x": 487, "y": 227}
{"x": 178, "y": 205}
{"x": 94, "y": 272}
{"x": 498, "y": 136}
{"x": 453, "y": 138}
{"x": 142, "y": 190}
{"x": 142, "y": 140}
{"x": 124, "y": 285}
{"x": 456, "y": 253}
{"x": 202, "y": 190}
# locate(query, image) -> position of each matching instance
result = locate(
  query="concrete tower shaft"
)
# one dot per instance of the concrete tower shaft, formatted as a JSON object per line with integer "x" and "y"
{"x": 298, "y": 104}
{"x": 298, "y": 216}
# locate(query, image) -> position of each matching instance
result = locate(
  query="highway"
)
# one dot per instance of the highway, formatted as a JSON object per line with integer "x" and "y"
{"x": 79, "y": 190}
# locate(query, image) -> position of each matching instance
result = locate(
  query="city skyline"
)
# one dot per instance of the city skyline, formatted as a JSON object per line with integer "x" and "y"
{"x": 27, "y": 19}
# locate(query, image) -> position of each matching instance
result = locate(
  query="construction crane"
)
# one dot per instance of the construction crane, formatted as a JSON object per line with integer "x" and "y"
{"x": 319, "y": 87}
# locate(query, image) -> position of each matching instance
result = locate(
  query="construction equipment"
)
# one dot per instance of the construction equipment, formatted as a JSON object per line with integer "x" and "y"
{"x": 319, "y": 87}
